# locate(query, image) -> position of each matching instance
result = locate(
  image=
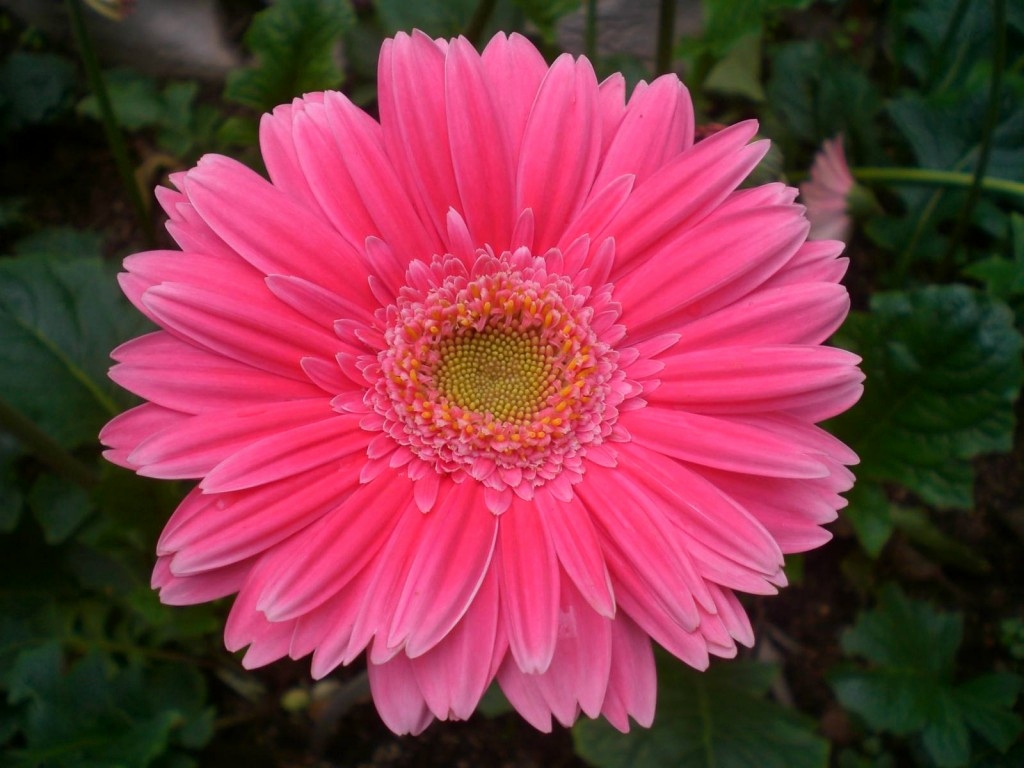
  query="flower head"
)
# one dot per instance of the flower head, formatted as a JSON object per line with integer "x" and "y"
{"x": 826, "y": 194}
{"x": 504, "y": 385}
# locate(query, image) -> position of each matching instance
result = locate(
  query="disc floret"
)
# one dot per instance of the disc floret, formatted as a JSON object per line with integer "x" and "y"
{"x": 496, "y": 371}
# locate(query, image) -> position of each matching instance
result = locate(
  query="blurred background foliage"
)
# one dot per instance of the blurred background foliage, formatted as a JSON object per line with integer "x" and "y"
{"x": 900, "y": 644}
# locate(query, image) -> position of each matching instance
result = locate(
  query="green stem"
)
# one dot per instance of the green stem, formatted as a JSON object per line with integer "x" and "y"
{"x": 991, "y": 120}
{"x": 590, "y": 31}
{"x": 111, "y": 128}
{"x": 475, "y": 28}
{"x": 933, "y": 178}
{"x": 44, "y": 447}
{"x": 942, "y": 53}
{"x": 666, "y": 37}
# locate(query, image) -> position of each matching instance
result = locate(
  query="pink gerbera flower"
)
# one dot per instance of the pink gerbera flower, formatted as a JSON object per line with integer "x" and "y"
{"x": 503, "y": 386}
{"x": 826, "y": 193}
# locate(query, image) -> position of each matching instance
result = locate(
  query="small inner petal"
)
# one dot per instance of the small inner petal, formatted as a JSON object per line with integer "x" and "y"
{"x": 498, "y": 369}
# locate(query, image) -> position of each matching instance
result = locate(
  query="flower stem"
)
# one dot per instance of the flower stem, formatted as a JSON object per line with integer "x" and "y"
{"x": 991, "y": 120}
{"x": 590, "y": 31}
{"x": 666, "y": 37}
{"x": 933, "y": 178}
{"x": 475, "y": 28}
{"x": 111, "y": 128}
{"x": 44, "y": 447}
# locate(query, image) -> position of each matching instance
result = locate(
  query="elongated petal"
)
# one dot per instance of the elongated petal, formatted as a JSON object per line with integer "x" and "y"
{"x": 446, "y": 572}
{"x": 529, "y": 586}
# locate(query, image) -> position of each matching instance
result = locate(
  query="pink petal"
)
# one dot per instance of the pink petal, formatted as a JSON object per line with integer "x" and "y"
{"x": 656, "y": 126}
{"x": 411, "y": 99}
{"x": 529, "y": 586}
{"x": 379, "y": 187}
{"x": 696, "y": 182}
{"x": 481, "y": 156}
{"x": 639, "y": 545}
{"x": 169, "y": 372}
{"x": 717, "y": 268}
{"x": 201, "y": 587}
{"x": 272, "y": 232}
{"x": 277, "y": 145}
{"x": 446, "y": 572}
{"x": 193, "y": 446}
{"x": 123, "y": 433}
{"x": 578, "y": 676}
{"x": 755, "y": 379}
{"x": 397, "y": 697}
{"x": 578, "y": 547}
{"x": 567, "y": 99}
{"x": 266, "y": 335}
{"x": 320, "y": 560}
{"x": 806, "y": 313}
{"x": 455, "y": 673}
{"x": 723, "y": 443}
{"x": 699, "y": 510}
{"x": 242, "y": 524}
{"x": 632, "y": 682}
{"x": 515, "y": 70}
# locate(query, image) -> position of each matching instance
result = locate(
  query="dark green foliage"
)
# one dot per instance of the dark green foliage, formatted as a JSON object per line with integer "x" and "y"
{"x": 294, "y": 44}
{"x": 60, "y": 315}
{"x": 35, "y": 88}
{"x": 943, "y": 370}
{"x": 909, "y": 687}
{"x": 714, "y": 719}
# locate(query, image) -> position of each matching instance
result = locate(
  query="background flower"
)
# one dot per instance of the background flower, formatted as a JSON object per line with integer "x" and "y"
{"x": 503, "y": 386}
{"x": 826, "y": 193}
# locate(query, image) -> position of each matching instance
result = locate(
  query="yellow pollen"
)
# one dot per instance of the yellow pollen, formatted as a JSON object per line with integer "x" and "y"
{"x": 501, "y": 372}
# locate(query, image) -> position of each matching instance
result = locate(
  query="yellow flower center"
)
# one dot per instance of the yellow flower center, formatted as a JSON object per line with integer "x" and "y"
{"x": 507, "y": 373}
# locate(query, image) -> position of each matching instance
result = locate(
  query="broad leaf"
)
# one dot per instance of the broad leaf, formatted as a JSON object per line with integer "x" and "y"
{"x": 134, "y": 97}
{"x": 96, "y": 714}
{"x": 294, "y": 43}
{"x": 726, "y": 21}
{"x": 814, "y": 96}
{"x": 546, "y": 13}
{"x": 714, "y": 719}
{"x": 438, "y": 18}
{"x": 34, "y": 88}
{"x": 907, "y": 688}
{"x": 943, "y": 371}
{"x": 59, "y": 318}
{"x": 1004, "y": 278}
{"x": 59, "y": 506}
{"x": 869, "y": 514}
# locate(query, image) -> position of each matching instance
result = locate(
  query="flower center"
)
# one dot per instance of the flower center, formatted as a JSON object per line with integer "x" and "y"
{"x": 506, "y": 374}
{"x": 495, "y": 369}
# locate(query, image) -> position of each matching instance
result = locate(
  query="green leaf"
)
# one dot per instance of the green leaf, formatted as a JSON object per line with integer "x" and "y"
{"x": 59, "y": 318}
{"x": 61, "y": 242}
{"x": 1004, "y": 278}
{"x": 97, "y": 714}
{"x": 726, "y": 21}
{"x": 713, "y": 719}
{"x": 868, "y": 513}
{"x": 987, "y": 703}
{"x": 59, "y": 506}
{"x": 739, "y": 71}
{"x": 11, "y": 494}
{"x": 544, "y": 14}
{"x": 438, "y": 18}
{"x": 926, "y": 536}
{"x": 907, "y": 688}
{"x": 294, "y": 42}
{"x": 814, "y": 96}
{"x": 35, "y": 88}
{"x": 943, "y": 370}
{"x": 134, "y": 97}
